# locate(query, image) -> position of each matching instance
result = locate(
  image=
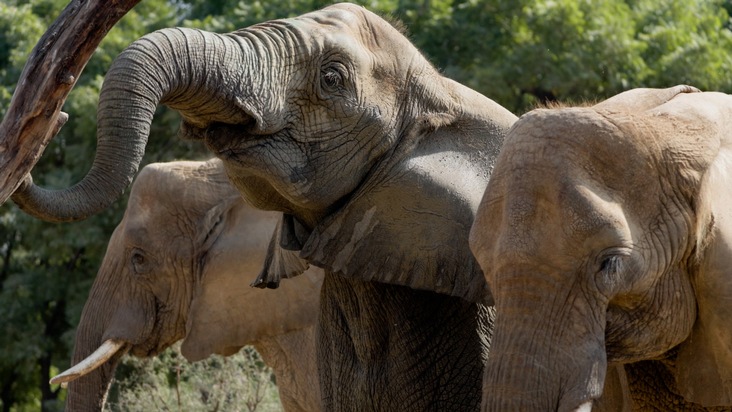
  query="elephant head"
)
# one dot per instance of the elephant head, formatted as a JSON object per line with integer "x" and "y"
{"x": 331, "y": 111}
{"x": 604, "y": 235}
{"x": 377, "y": 160}
{"x": 176, "y": 268}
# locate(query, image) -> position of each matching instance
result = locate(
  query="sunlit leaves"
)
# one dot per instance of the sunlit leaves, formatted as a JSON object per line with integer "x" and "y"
{"x": 524, "y": 52}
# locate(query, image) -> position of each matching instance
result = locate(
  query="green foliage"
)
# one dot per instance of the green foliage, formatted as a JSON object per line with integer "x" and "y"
{"x": 686, "y": 42}
{"x": 518, "y": 52}
{"x": 525, "y": 52}
{"x": 16, "y": 42}
{"x": 168, "y": 382}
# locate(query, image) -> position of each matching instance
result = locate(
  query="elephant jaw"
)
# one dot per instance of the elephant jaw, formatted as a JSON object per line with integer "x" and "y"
{"x": 106, "y": 351}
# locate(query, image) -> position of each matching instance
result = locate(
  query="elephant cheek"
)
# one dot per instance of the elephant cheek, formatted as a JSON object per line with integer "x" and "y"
{"x": 656, "y": 325}
{"x": 135, "y": 323}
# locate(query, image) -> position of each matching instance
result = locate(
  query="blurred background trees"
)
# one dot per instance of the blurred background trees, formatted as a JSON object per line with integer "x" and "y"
{"x": 518, "y": 52}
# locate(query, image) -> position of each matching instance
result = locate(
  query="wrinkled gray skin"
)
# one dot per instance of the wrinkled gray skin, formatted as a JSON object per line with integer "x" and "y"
{"x": 377, "y": 161}
{"x": 178, "y": 266}
{"x": 605, "y": 237}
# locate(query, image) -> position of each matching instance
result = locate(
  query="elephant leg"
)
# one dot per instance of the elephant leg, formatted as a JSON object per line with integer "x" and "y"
{"x": 653, "y": 388}
{"x": 391, "y": 348}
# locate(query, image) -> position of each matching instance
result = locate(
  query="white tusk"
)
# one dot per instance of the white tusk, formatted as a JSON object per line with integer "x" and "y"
{"x": 585, "y": 407}
{"x": 108, "y": 349}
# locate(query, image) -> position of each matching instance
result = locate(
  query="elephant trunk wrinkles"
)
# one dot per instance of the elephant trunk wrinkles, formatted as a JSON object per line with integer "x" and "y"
{"x": 89, "y": 392}
{"x": 182, "y": 68}
{"x": 107, "y": 314}
{"x": 545, "y": 363}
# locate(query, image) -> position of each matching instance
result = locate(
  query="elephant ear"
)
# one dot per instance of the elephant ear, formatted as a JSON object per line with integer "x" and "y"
{"x": 212, "y": 223}
{"x": 640, "y": 100}
{"x": 704, "y": 362}
{"x": 409, "y": 223}
{"x": 283, "y": 260}
{"x": 225, "y": 312}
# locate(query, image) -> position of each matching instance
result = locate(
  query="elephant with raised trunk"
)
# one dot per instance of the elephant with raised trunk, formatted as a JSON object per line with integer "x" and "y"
{"x": 605, "y": 236}
{"x": 377, "y": 161}
{"x": 177, "y": 267}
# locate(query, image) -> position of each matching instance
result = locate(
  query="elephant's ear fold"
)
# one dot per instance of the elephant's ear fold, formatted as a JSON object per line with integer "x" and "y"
{"x": 212, "y": 223}
{"x": 640, "y": 100}
{"x": 411, "y": 228}
{"x": 704, "y": 362}
{"x": 225, "y": 312}
{"x": 283, "y": 260}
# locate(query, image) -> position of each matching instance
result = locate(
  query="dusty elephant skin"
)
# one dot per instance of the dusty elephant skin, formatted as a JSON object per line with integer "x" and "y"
{"x": 178, "y": 267}
{"x": 377, "y": 161}
{"x": 614, "y": 222}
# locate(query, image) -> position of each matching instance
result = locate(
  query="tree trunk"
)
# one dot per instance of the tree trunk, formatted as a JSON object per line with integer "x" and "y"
{"x": 34, "y": 115}
{"x": 55, "y": 324}
{"x": 6, "y": 394}
{"x": 46, "y": 393}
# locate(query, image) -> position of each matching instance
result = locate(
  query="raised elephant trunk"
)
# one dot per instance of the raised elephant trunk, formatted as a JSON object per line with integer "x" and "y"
{"x": 545, "y": 364}
{"x": 181, "y": 68}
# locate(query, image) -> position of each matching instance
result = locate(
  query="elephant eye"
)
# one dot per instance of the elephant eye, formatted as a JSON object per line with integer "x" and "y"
{"x": 610, "y": 269}
{"x": 333, "y": 76}
{"x": 611, "y": 265}
{"x": 616, "y": 269}
{"x": 608, "y": 264}
{"x": 138, "y": 261}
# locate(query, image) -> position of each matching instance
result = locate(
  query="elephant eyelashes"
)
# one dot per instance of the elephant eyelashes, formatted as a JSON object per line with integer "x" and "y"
{"x": 611, "y": 265}
{"x": 332, "y": 76}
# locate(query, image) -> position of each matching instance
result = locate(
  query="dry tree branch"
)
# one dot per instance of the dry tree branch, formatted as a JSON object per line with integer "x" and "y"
{"x": 34, "y": 115}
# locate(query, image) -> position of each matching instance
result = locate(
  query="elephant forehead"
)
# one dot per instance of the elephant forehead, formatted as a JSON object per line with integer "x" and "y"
{"x": 578, "y": 131}
{"x": 143, "y": 224}
{"x": 346, "y": 22}
{"x": 341, "y": 15}
{"x": 569, "y": 174}
{"x": 612, "y": 152}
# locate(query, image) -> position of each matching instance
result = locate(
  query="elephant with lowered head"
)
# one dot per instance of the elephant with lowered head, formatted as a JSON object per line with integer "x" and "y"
{"x": 176, "y": 268}
{"x": 605, "y": 237}
{"x": 377, "y": 161}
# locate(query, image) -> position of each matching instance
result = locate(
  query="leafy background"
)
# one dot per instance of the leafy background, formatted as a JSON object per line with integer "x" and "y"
{"x": 518, "y": 52}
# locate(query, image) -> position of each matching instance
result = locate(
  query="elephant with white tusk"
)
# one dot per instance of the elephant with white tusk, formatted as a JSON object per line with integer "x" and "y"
{"x": 605, "y": 236}
{"x": 178, "y": 266}
{"x": 377, "y": 161}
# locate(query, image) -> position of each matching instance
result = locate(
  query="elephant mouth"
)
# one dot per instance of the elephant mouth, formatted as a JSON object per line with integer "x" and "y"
{"x": 226, "y": 154}
{"x": 153, "y": 345}
{"x": 233, "y": 140}
{"x": 147, "y": 350}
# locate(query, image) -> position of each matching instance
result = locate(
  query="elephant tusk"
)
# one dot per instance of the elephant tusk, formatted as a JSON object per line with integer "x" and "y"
{"x": 585, "y": 407}
{"x": 107, "y": 349}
